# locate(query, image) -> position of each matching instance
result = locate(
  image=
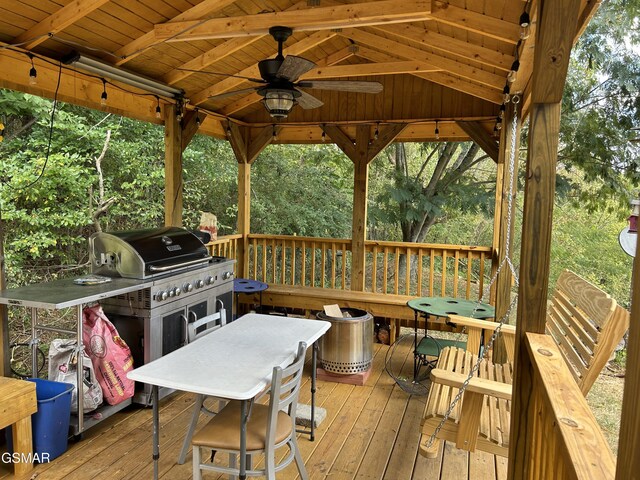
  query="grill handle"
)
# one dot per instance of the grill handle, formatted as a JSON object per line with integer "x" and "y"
{"x": 153, "y": 268}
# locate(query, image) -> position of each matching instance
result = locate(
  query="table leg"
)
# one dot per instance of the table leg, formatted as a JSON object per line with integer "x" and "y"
{"x": 156, "y": 431}
{"x": 22, "y": 445}
{"x": 313, "y": 389}
{"x": 243, "y": 440}
{"x": 416, "y": 363}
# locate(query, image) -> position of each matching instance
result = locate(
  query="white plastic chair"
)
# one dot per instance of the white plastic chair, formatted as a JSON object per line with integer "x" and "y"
{"x": 269, "y": 427}
{"x": 196, "y": 329}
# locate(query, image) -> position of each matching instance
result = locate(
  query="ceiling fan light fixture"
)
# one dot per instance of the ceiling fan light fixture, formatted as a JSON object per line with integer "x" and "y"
{"x": 279, "y": 102}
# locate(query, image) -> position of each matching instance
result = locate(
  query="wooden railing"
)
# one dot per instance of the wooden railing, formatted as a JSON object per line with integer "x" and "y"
{"x": 416, "y": 269}
{"x": 421, "y": 269}
{"x": 564, "y": 439}
{"x": 226, "y": 246}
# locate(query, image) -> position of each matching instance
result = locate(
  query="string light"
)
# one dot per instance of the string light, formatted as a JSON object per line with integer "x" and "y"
{"x": 498, "y": 123}
{"x": 503, "y": 107}
{"x": 275, "y": 133}
{"x": 376, "y": 133}
{"x": 324, "y": 135}
{"x": 505, "y": 94}
{"x": 437, "y": 131}
{"x": 103, "y": 97}
{"x": 158, "y": 110}
{"x": 525, "y": 25}
{"x": 33, "y": 74}
{"x": 513, "y": 73}
{"x": 198, "y": 118}
{"x": 228, "y": 129}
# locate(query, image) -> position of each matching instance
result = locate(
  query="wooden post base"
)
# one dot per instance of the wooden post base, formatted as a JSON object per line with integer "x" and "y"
{"x": 350, "y": 379}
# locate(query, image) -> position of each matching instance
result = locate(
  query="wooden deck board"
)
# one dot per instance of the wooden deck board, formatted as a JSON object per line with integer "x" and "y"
{"x": 370, "y": 432}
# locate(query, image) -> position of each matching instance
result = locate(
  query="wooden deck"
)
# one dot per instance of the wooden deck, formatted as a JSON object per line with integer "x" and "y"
{"x": 371, "y": 432}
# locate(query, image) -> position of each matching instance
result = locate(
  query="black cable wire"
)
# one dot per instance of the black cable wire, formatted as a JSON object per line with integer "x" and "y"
{"x": 53, "y": 115}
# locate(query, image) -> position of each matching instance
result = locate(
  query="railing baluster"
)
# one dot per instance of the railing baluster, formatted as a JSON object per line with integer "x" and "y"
{"x": 273, "y": 258}
{"x": 481, "y": 286}
{"x": 254, "y": 245}
{"x": 396, "y": 287}
{"x": 432, "y": 270}
{"x": 313, "y": 264}
{"x": 293, "y": 262}
{"x": 333, "y": 265}
{"x": 264, "y": 260}
{"x": 324, "y": 264}
{"x": 303, "y": 269}
{"x": 385, "y": 267}
{"x": 419, "y": 280}
{"x": 443, "y": 286}
{"x": 469, "y": 264}
{"x": 407, "y": 281}
{"x": 343, "y": 259}
{"x": 283, "y": 259}
{"x": 374, "y": 270}
{"x": 456, "y": 263}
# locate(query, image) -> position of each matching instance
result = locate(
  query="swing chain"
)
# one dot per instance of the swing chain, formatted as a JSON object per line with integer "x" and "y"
{"x": 507, "y": 260}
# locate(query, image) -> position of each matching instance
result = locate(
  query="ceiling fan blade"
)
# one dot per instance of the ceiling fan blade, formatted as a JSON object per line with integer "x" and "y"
{"x": 292, "y": 67}
{"x": 342, "y": 85}
{"x": 233, "y": 93}
{"x": 308, "y": 101}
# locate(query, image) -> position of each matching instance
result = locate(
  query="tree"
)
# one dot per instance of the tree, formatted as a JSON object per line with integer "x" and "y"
{"x": 427, "y": 181}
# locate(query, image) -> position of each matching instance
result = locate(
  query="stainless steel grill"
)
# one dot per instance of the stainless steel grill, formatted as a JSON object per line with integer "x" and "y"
{"x": 187, "y": 284}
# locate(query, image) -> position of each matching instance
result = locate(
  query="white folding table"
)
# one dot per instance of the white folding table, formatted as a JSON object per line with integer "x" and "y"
{"x": 234, "y": 362}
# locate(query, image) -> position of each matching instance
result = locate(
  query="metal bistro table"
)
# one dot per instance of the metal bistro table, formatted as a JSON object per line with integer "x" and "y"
{"x": 441, "y": 307}
{"x": 246, "y": 285}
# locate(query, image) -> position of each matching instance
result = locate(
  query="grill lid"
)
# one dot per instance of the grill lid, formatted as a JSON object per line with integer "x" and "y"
{"x": 146, "y": 253}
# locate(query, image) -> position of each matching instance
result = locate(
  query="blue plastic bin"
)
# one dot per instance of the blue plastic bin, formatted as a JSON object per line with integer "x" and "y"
{"x": 50, "y": 424}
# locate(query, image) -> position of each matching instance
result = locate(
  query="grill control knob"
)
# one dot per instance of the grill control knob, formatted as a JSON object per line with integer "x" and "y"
{"x": 172, "y": 292}
{"x": 199, "y": 283}
{"x": 209, "y": 280}
{"x": 187, "y": 287}
{"x": 177, "y": 291}
{"x": 162, "y": 295}
{"x": 226, "y": 275}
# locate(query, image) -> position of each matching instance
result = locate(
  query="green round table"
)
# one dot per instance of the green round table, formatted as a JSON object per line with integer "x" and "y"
{"x": 441, "y": 307}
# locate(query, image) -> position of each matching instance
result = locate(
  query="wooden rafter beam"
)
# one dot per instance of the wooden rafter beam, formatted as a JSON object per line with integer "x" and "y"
{"x": 441, "y": 78}
{"x": 368, "y": 69}
{"x": 56, "y": 22}
{"x": 386, "y": 135}
{"x": 253, "y": 98}
{"x": 492, "y": 27}
{"x": 218, "y": 53}
{"x": 318, "y": 18}
{"x": 209, "y": 57}
{"x": 427, "y": 38}
{"x": 261, "y": 141}
{"x": 341, "y": 139}
{"x": 140, "y": 44}
{"x": 451, "y": 66}
{"x": 252, "y": 71}
{"x": 478, "y": 134}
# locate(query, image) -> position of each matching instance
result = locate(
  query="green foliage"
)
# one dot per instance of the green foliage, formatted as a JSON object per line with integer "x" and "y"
{"x": 302, "y": 190}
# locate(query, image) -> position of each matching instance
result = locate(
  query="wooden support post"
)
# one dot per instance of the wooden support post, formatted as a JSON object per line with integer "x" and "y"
{"x": 172, "y": 168}
{"x": 4, "y": 316}
{"x": 361, "y": 152}
{"x": 503, "y": 228}
{"x": 557, "y": 24}
{"x": 246, "y": 147}
{"x": 244, "y": 217}
{"x": 628, "y": 464}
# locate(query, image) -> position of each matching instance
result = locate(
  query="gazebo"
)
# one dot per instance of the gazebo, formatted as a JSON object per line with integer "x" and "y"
{"x": 443, "y": 70}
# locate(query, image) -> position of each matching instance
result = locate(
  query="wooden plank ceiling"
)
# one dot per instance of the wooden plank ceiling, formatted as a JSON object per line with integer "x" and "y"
{"x": 439, "y": 62}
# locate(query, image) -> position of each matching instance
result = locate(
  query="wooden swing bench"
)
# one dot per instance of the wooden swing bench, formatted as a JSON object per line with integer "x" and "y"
{"x": 585, "y": 323}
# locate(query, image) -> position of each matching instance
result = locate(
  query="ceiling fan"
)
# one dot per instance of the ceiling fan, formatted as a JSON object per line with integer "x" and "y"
{"x": 280, "y": 86}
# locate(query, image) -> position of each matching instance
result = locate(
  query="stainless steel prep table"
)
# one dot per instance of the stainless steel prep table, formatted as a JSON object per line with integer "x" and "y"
{"x": 61, "y": 294}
